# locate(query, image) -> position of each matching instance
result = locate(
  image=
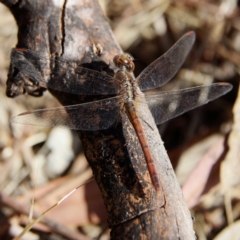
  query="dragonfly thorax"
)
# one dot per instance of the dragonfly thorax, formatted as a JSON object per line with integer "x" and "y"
{"x": 128, "y": 84}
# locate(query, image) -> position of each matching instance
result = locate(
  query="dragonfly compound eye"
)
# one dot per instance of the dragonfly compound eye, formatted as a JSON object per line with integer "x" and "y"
{"x": 117, "y": 60}
{"x": 131, "y": 66}
{"x": 124, "y": 60}
{"x": 129, "y": 56}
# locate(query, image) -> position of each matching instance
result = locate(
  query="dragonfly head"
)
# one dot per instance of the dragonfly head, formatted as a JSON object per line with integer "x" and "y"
{"x": 124, "y": 61}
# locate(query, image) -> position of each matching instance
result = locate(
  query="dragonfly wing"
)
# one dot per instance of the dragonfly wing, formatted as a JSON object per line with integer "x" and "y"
{"x": 91, "y": 116}
{"x": 82, "y": 81}
{"x": 74, "y": 78}
{"x": 164, "y": 68}
{"x": 167, "y": 105}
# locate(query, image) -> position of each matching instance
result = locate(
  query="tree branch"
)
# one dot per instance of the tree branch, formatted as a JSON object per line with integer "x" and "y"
{"x": 72, "y": 30}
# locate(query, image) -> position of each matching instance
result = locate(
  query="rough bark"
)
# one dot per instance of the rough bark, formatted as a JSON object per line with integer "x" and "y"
{"x": 69, "y": 30}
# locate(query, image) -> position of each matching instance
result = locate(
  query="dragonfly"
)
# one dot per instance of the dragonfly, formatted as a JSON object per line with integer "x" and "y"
{"x": 129, "y": 94}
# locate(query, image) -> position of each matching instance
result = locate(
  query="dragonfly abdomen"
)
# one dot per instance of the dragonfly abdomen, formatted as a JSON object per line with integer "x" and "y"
{"x": 137, "y": 124}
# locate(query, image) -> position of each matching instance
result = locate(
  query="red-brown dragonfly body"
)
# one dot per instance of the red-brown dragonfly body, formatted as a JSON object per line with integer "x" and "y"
{"x": 130, "y": 95}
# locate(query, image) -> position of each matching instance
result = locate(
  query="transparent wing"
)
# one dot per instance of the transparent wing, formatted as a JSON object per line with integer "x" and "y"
{"x": 167, "y": 105}
{"x": 73, "y": 77}
{"x": 164, "y": 68}
{"x": 83, "y": 81}
{"x": 91, "y": 116}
